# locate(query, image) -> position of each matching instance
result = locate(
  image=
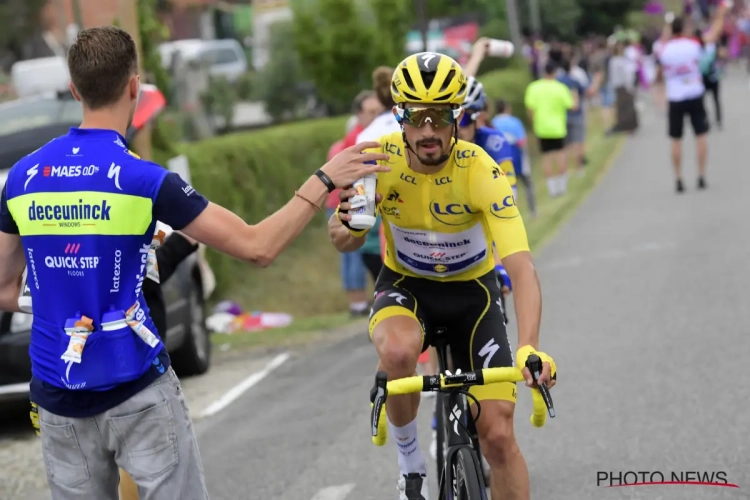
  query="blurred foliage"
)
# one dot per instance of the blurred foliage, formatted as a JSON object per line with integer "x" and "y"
{"x": 19, "y": 19}
{"x": 340, "y": 42}
{"x": 278, "y": 84}
{"x": 153, "y": 32}
{"x": 220, "y": 99}
{"x": 456, "y": 8}
{"x": 393, "y": 20}
{"x": 601, "y": 16}
{"x": 246, "y": 86}
{"x": 335, "y": 46}
{"x": 570, "y": 20}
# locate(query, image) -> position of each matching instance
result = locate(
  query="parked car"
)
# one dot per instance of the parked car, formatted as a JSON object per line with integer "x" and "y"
{"x": 36, "y": 76}
{"x": 26, "y": 125}
{"x": 223, "y": 57}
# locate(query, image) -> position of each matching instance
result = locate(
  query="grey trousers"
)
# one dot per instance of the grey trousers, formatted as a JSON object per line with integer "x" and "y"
{"x": 150, "y": 436}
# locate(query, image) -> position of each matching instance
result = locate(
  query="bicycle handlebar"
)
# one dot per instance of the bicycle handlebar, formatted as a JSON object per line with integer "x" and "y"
{"x": 541, "y": 398}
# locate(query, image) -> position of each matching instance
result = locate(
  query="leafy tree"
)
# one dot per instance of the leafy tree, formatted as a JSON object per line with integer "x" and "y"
{"x": 601, "y": 16}
{"x": 335, "y": 44}
{"x": 457, "y": 8}
{"x": 152, "y": 32}
{"x": 559, "y": 18}
{"x": 278, "y": 84}
{"x": 393, "y": 19}
{"x": 20, "y": 20}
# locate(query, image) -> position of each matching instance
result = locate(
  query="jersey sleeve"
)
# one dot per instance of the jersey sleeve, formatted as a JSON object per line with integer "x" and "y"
{"x": 491, "y": 193}
{"x": 500, "y": 149}
{"x": 178, "y": 203}
{"x": 7, "y": 223}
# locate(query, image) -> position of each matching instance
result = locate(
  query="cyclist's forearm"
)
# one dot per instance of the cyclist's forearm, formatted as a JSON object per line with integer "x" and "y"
{"x": 527, "y": 298}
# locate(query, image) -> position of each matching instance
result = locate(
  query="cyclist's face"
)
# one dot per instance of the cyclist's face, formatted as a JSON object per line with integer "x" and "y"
{"x": 429, "y": 129}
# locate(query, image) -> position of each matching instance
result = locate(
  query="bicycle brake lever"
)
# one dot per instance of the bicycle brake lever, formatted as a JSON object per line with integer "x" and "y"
{"x": 378, "y": 395}
{"x": 535, "y": 366}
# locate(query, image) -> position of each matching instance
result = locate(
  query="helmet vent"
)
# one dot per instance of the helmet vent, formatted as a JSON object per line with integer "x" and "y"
{"x": 448, "y": 80}
{"x": 408, "y": 80}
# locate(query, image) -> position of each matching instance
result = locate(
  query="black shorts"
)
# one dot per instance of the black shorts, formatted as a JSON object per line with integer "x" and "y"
{"x": 471, "y": 311}
{"x": 695, "y": 109}
{"x": 550, "y": 145}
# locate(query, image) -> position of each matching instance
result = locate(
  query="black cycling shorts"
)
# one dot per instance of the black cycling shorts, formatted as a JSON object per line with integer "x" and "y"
{"x": 471, "y": 311}
{"x": 695, "y": 109}
{"x": 551, "y": 145}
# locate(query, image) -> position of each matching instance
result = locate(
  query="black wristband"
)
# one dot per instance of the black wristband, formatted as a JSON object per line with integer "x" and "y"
{"x": 325, "y": 180}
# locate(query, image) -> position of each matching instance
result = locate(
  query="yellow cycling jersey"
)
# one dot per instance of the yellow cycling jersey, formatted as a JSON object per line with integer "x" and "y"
{"x": 441, "y": 226}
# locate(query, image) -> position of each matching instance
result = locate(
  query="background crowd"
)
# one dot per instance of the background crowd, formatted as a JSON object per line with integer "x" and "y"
{"x": 612, "y": 74}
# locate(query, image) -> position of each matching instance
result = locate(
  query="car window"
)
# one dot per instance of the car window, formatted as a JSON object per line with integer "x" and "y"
{"x": 38, "y": 113}
{"x": 219, "y": 56}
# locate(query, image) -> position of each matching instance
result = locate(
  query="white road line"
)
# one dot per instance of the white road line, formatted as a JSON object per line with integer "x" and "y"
{"x": 239, "y": 389}
{"x": 334, "y": 492}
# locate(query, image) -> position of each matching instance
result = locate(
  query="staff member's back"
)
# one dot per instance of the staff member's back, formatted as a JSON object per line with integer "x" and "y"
{"x": 85, "y": 209}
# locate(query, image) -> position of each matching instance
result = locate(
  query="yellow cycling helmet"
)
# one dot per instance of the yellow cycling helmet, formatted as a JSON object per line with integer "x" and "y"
{"x": 428, "y": 78}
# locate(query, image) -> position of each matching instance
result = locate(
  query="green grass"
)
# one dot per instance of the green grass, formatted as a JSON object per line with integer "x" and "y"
{"x": 305, "y": 281}
{"x": 552, "y": 212}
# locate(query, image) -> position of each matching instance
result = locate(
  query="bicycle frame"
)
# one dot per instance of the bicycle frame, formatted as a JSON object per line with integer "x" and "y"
{"x": 453, "y": 406}
{"x": 463, "y": 443}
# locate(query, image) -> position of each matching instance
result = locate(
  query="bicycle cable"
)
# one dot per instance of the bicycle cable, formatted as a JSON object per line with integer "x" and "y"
{"x": 465, "y": 392}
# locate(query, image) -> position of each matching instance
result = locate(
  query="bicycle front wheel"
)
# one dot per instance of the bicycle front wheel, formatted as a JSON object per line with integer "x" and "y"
{"x": 469, "y": 483}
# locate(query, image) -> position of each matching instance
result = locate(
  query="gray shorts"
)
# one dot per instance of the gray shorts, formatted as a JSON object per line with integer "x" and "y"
{"x": 576, "y": 130}
{"x": 150, "y": 436}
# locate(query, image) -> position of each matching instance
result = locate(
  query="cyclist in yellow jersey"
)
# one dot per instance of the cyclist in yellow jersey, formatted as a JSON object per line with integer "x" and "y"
{"x": 443, "y": 203}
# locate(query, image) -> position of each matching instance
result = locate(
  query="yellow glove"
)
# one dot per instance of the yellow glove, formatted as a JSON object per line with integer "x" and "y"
{"x": 523, "y": 354}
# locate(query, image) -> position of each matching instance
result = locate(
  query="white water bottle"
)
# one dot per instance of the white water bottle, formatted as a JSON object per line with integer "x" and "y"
{"x": 24, "y": 300}
{"x": 363, "y": 203}
{"x": 499, "y": 48}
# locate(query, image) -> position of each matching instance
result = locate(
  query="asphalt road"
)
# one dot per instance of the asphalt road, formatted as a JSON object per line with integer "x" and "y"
{"x": 645, "y": 311}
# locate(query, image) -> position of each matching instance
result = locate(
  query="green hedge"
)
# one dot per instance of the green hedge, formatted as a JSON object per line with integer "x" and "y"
{"x": 254, "y": 173}
{"x": 510, "y": 85}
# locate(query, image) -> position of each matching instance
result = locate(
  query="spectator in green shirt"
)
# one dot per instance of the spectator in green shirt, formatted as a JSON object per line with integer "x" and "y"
{"x": 371, "y": 250}
{"x": 547, "y": 103}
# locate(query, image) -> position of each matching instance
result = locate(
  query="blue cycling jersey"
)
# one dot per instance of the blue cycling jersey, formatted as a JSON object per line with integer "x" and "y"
{"x": 513, "y": 130}
{"x": 85, "y": 208}
{"x": 500, "y": 149}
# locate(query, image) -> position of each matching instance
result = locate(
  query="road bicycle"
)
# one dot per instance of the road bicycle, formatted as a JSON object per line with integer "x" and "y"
{"x": 458, "y": 455}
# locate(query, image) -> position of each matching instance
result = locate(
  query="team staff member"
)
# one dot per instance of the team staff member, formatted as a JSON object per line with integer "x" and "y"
{"x": 101, "y": 377}
{"x": 439, "y": 269}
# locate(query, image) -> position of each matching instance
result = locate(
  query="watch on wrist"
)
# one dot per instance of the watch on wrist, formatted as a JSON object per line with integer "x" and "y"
{"x": 325, "y": 180}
